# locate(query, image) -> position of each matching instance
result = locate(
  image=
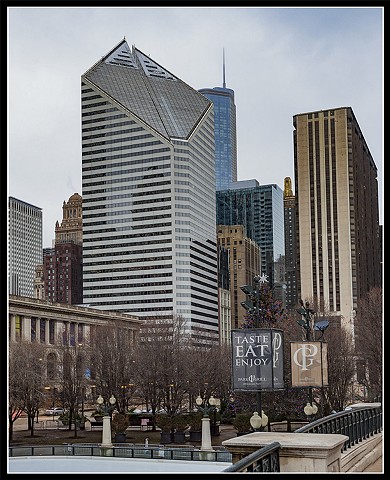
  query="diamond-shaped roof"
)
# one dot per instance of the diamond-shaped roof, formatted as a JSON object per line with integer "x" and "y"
{"x": 149, "y": 91}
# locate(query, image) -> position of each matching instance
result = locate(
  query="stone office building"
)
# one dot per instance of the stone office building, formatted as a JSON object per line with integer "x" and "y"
{"x": 56, "y": 324}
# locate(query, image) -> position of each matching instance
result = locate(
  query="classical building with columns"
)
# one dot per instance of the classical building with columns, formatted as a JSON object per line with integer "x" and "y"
{"x": 35, "y": 320}
{"x": 54, "y": 324}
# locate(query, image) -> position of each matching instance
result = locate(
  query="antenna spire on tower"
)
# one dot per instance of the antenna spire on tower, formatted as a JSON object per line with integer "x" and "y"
{"x": 224, "y": 82}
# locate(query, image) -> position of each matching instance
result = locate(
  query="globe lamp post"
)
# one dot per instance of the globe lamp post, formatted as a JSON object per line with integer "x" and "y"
{"x": 258, "y": 422}
{"x": 106, "y": 408}
{"x": 310, "y": 409}
{"x": 209, "y": 406}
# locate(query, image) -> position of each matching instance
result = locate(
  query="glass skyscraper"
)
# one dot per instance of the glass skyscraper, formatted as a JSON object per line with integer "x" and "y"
{"x": 225, "y": 133}
{"x": 259, "y": 208}
{"x": 148, "y": 171}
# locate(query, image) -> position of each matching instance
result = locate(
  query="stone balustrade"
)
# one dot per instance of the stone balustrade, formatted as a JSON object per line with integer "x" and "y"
{"x": 299, "y": 452}
{"x": 311, "y": 452}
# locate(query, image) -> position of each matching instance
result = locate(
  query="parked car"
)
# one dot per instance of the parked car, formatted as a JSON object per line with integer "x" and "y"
{"x": 54, "y": 411}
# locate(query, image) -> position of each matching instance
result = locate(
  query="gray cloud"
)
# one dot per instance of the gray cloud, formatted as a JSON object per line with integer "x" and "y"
{"x": 279, "y": 62}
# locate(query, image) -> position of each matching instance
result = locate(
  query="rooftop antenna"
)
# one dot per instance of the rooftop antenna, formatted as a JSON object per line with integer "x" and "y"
{"x": 224, "y": 83}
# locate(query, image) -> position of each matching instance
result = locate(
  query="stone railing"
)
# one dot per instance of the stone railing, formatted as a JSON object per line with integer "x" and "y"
{"x": 299, "y": 452}
{"x": 349, "y": 444}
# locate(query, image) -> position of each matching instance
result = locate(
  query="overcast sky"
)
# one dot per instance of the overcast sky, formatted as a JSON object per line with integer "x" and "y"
{"x": 279, "y": 62}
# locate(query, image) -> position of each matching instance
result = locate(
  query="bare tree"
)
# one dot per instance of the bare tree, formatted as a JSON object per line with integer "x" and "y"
{"x": 341, "y": 369}
{"x": 73, "y": 365}
{"x": 369, "y": 343}
{"x": 290, "y": 402}
{"x": 208, "y": 372}
{"x": 221, "y": 356}
{"x": 160, "y": 370}
{"x": 112, "y": 361}
{"x": 26, "y": 381}
{"x": 146, "y": 371}
{"x": 15, "y": 386}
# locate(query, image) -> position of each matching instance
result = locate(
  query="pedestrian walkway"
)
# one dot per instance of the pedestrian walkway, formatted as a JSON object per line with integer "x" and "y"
{"x": 110, "y": 465}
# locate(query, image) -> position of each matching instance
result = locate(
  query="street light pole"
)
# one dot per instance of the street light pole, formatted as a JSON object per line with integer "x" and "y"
{"x": 257, "y": 310}
{"x": 258, "y": 422}
{"x": 209, "y": 407}
{"x": 107, "y": 409}
{"x": 253, "y": 307}
{"x": 307, "y": 323}
{"x": 310, "y": 409}
{"x": 215, "y": 428}
{"x": 307, "y": 319}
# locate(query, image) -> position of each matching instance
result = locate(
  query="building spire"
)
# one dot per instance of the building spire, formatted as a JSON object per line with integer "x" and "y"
{"x": 287, "y": 187}
{"x": 224, "y": 82}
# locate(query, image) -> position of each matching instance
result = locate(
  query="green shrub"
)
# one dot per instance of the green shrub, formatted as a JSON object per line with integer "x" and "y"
{"x": 241, "y": 422}
{"x": 227, "y": 418}
{"x": 195, "y": 421}
{"x": 97, "y": 413}
{"x": 164, "y": 422}
{"x": 64, "y": 417}
{"x": 180, "y": 422}
{"x": 120, "y": 422}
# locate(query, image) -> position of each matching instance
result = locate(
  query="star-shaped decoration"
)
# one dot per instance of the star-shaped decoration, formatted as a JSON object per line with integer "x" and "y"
{"x": 263, "y": 278}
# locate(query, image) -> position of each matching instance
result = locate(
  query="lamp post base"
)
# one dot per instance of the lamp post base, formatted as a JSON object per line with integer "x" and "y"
{"x": 207, "y": 455}
{"x": 206, "y": 435}
{"x": 106, "y": 450}
{"x": 106, "y": 444}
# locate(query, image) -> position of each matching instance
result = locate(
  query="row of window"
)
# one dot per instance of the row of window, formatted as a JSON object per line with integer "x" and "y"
{"x": 120, "y": 148}
{"x": 106, "y": 180}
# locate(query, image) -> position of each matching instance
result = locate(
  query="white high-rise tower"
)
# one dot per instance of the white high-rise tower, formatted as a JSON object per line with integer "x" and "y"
{"x": 148, "y": 172}
{"x": 24, "y": 246}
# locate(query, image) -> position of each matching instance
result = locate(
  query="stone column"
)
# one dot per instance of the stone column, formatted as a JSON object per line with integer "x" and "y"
{"x": 206, "y": 448}
{"x": 47, "y": 331}
{"x": 12, "y": 328}
{"x": 26, "y": 328}
{"x": 37, "y": 329}
{"x": 87, "y": 333}
{"x": 80, "y": 338}
{"x": 57, "y": 332}
{"x": 106, "y": 445}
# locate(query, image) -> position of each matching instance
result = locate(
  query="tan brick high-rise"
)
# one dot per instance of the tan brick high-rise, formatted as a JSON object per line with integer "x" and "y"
{"x": 244, "y": 265}
{"x": 338, "y": 233}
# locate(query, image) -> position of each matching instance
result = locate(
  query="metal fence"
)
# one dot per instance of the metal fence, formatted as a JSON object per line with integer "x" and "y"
{"x": 357, "y": 424}
{"x": 265, "y": 459}
{"x": 189, "y": 453}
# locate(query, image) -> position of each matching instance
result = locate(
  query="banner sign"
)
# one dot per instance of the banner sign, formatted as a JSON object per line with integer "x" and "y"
{"x": 257, "y": 359}
{"x": 309, "y": 364}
